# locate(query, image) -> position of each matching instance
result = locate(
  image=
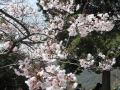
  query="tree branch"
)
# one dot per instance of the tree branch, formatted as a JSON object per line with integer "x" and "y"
{"x": 16, "y": 20}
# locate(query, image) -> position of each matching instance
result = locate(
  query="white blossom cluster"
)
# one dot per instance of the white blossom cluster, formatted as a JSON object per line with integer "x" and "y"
{"x": 86, "y": 24}
{"x": 88, "y": 62}
{"x": 62, "y": 5}
{"x": 45, "y": 73}
{"x": 46, "y": 77}
{"x": 48, "y": 51}
{"x": 83, "y": 25}
{"x": 107, "y": 63}
{"x": 56, "y": 22}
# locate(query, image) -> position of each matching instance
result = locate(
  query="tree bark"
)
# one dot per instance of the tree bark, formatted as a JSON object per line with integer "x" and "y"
{"x": 106, "y": 80}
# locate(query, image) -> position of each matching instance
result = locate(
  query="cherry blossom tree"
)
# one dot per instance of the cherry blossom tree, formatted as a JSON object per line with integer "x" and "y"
{"x": 40, "y": 47}
{"x": 76, "y": 35}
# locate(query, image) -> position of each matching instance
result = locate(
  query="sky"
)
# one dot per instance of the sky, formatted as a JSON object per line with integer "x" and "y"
{"x": 41, "y": 16}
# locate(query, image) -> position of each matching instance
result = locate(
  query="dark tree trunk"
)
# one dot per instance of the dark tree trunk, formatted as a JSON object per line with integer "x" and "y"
{"x": 106, "y": 80}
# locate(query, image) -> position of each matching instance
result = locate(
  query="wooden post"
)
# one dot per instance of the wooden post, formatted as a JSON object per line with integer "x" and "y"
{"x": 106, "y": 80}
